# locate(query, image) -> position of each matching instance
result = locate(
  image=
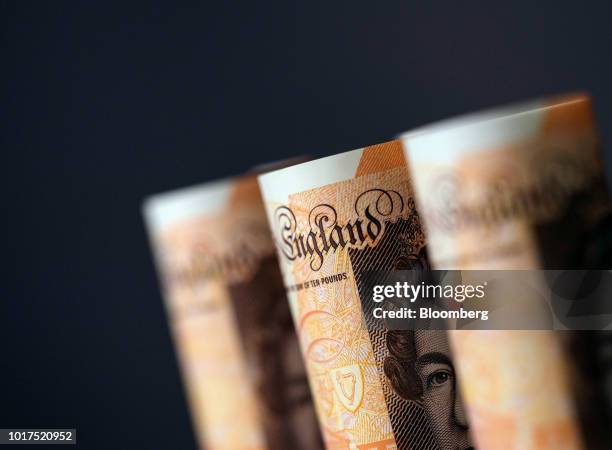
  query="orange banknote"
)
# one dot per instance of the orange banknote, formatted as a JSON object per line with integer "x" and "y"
{"x": 333, "y": 220}
{"x": 517, "y": 188}
{"x": 233, "y": 331}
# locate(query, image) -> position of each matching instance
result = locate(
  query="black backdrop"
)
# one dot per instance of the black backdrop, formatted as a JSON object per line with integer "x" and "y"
{"x": 103, "y": 104}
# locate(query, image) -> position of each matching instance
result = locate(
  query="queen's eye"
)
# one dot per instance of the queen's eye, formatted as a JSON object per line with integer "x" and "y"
{"x": 438, "y": 378}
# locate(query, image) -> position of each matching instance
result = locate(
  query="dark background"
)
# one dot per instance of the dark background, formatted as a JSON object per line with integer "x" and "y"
{"x": 103, "y": 104}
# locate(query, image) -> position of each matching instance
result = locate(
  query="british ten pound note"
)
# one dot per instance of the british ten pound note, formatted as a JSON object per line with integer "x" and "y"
{"x": 232, "y": 329}
{"x": 333, "y": 220}
{"x": 518, "y": 188}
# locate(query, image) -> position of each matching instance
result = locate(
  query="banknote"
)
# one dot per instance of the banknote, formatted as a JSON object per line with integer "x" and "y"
{"x": 333, "y": 220}
{"x": 519, "y": 188}
{"x": 233, "y": 332}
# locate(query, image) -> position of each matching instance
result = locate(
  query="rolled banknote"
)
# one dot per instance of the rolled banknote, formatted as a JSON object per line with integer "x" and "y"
{"x": 518, "y": 188}
{"x": 333, "y": 220}
{"x": 233, "y": 332}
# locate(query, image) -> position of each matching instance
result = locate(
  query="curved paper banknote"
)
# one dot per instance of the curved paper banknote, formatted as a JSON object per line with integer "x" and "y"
{"x": 518, "y": 188}
{"x": 332, "y": 220}
{"x": 232, "y": 327}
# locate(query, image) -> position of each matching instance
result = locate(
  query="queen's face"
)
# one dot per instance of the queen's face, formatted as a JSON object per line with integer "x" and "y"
{"x": 441, "y": 397}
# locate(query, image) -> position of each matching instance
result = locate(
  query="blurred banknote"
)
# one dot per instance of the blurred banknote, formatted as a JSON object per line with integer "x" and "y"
{"x": 233, "y": 332}
{"x": 521, "y": 188}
